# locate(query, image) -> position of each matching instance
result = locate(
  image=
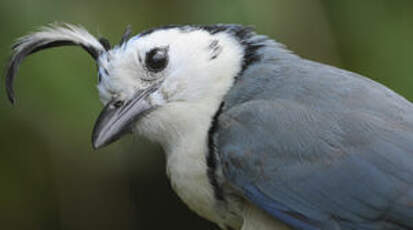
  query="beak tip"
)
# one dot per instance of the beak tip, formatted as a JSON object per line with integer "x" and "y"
{"x": 97, "y": 143}
{"x": 95, "y": 147}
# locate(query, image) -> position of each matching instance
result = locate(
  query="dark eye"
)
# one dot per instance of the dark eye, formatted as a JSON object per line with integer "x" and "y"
{"x": 156, "y": 59}
{"x": 118, "y": 104}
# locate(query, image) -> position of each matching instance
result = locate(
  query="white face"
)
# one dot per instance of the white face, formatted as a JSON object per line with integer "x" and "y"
{"x": 190, "y": 66}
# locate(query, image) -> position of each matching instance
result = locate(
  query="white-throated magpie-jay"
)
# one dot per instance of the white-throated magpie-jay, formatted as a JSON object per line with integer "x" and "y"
{"x": 255, "y": 136}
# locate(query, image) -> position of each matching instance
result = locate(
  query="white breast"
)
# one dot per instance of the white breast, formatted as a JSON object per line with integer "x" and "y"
{"x": 187, "y": 169}
{"x": 185, "y": 143}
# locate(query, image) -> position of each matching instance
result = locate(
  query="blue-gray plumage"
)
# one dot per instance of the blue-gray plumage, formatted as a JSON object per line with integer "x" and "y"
{"x": 256, "y": 137}
{"x": 317, "y": 146}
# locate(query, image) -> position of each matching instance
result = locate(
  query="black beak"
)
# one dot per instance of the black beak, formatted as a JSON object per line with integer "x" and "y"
{"x": 118, "y": 118}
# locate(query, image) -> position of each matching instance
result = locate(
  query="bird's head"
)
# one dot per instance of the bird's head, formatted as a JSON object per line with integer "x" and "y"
{"x": 157, "y": 75}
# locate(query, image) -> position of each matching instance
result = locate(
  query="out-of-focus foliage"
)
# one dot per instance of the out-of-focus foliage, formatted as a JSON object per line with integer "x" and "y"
{"x": 50, "y": 178}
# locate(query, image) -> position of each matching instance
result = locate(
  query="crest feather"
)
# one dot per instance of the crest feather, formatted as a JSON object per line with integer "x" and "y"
{"x": 54, "y": 35}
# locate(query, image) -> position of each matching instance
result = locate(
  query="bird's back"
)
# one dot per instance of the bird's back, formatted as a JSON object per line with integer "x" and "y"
{"x": 338, "y": 147}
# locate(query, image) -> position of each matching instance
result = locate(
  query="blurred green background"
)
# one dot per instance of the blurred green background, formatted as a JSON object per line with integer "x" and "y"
{"x": 50, "y": 178}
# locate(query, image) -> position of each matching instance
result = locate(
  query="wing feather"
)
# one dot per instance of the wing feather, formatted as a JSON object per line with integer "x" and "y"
{"x": 318, "y": 147}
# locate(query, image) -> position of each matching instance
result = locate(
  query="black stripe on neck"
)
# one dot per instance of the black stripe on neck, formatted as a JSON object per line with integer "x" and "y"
{"x": 211, "y": 158}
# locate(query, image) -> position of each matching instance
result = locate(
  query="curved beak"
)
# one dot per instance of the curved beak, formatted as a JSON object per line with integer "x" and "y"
{"x": 117, "y": 118}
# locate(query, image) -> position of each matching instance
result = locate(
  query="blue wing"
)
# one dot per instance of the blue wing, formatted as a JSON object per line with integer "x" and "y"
{"x": 319, "y": 148}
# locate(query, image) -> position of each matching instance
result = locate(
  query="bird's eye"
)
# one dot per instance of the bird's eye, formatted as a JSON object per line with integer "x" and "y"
{"x": 118, "y": 104}
{"x": 156, "y": 59}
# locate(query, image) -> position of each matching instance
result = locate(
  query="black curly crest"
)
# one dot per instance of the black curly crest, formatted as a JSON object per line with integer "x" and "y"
{"x": 50, "y": 37}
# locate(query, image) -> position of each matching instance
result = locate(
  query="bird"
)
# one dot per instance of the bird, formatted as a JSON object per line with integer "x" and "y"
{"x": 255, "y": 136}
